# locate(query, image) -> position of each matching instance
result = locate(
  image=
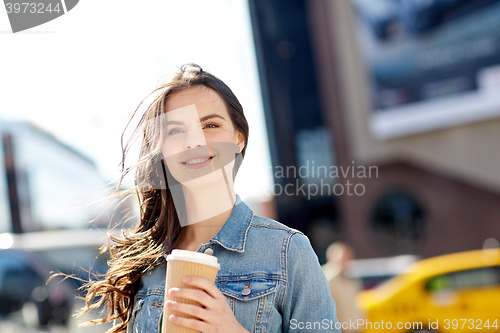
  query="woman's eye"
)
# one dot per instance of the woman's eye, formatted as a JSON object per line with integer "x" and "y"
{"x": 211, "y": 126}
{"x": 174, "y": 131}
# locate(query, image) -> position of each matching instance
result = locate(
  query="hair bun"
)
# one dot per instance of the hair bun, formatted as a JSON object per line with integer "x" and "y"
{"x": 191, "y": 67}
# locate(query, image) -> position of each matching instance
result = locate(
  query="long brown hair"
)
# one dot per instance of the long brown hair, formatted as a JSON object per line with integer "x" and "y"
{"x": 158, "y": 229}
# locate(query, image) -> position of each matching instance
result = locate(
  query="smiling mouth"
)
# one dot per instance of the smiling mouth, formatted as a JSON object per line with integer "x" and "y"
{"x": 197, "y": 160}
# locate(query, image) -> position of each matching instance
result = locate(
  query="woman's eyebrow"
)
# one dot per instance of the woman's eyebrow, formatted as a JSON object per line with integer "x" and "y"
{"x": 213, "y": 115}
{"x": 174, "y": 122}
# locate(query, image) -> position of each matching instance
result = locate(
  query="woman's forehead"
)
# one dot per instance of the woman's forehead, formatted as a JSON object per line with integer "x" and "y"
{"x": 201, "y": 96}
{"x": 187, "y": 113}
{"x": 190, "y": 115}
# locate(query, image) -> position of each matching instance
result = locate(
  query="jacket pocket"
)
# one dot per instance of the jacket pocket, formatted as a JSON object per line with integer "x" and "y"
{"x": 251, "y": 298}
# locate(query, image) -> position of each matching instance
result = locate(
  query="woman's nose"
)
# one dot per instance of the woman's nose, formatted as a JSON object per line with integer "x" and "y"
{"x": 195, "y": 138}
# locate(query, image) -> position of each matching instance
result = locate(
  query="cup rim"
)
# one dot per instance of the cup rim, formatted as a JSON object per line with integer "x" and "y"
{"x": 193, "y": 256}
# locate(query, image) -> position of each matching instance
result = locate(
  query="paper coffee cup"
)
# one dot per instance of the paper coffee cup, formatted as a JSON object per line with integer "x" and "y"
{"x": 182, "y": 263}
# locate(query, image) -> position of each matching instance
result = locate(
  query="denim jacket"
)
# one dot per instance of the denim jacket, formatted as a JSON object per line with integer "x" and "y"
{"x": 288, "y": 290}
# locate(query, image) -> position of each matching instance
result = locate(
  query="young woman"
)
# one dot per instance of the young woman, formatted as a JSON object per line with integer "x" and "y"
{"x": 194, "y": 136}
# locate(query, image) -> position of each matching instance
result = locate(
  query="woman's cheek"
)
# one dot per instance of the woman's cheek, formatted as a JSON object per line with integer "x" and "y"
{"x": 171, "y": 147}
{"x": 220, "y": 136}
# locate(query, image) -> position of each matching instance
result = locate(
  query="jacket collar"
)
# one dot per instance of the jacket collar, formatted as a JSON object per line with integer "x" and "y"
{"x": 233, "y": 233}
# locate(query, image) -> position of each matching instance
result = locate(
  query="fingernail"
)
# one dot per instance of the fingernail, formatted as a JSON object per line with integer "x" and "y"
{"x": 174, "y": 290}
{"x": 186, "y": 279}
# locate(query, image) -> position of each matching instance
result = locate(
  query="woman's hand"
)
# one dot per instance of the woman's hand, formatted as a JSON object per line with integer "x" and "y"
{"x": 215, "y": 317}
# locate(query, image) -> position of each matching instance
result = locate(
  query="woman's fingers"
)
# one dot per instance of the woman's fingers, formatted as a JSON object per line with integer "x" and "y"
{"x": 189, "y": 309}
{"x": 197, "y": 295}
{"x": 191, "y": 323}
{"x": 204, "y": 284}
{"x": 217, "y": 316}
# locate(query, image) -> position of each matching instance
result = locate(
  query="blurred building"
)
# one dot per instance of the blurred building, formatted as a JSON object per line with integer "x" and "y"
{"x": 425, "y": 122}
{"x": 46, "y": 184}
{"x": 298, "y": 133}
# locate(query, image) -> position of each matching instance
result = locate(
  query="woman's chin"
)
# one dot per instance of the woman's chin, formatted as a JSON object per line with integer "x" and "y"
{"x": 214, "y": 178}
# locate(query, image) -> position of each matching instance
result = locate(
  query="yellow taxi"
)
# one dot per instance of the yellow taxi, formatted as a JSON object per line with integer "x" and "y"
{"x": 458, "y": 292}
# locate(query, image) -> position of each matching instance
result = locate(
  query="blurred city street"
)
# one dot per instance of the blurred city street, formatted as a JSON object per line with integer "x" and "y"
{"x": 30, "y": 324}
{"x": 374, "y": 130}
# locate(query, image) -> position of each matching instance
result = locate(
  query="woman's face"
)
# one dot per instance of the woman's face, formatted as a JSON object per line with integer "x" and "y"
{"x": 200, "y": 136}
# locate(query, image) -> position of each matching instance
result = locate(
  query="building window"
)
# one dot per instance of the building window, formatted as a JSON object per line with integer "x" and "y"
{"x": 399, "y": 221}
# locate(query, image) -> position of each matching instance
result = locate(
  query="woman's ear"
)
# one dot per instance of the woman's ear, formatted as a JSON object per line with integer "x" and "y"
{"x": 241, "y": 142}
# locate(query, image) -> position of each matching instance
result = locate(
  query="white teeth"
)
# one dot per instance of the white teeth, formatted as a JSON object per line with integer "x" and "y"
{"x": 197, "y": 160}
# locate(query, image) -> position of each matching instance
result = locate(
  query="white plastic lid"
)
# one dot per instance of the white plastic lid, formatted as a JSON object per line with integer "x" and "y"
{"x": 193, "y": 256}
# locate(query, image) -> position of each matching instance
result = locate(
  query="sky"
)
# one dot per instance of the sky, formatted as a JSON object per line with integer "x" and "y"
{"x": 82, "y": 75}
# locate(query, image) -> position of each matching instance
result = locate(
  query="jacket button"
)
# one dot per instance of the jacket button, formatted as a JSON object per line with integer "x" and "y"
{"x": 209, "y": 251}
{"x": 246, "y": 291}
